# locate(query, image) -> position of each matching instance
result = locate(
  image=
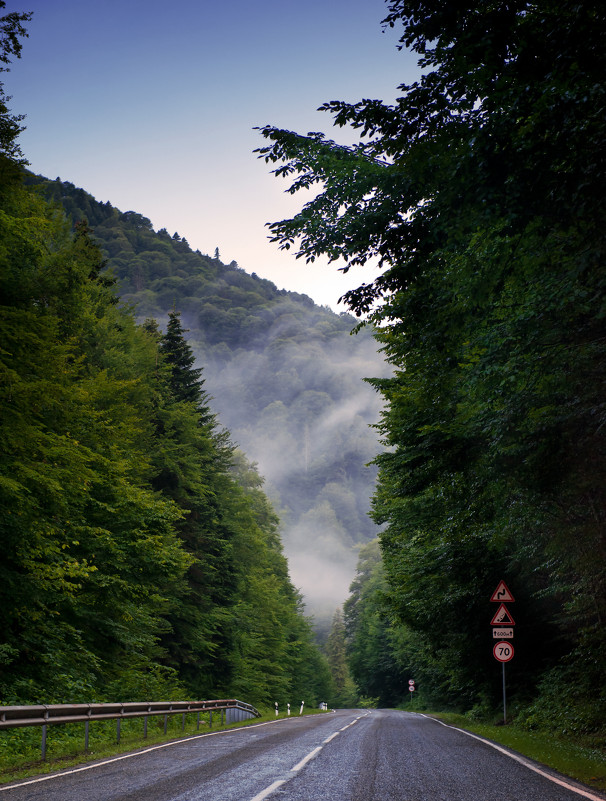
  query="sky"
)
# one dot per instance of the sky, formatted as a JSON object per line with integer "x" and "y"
{"x": 152, "y": 105}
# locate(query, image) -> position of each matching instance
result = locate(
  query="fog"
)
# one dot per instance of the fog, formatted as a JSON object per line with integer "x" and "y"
{"x": 297, "y": 405}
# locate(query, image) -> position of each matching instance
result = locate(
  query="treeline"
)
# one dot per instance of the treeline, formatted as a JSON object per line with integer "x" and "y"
{"x": 141, "y": 558}
{"x": 481, "y": 193}
{"x": 140, "y": 555}
{"x": 285, "y": 378}
{"x": 226, "y": 308}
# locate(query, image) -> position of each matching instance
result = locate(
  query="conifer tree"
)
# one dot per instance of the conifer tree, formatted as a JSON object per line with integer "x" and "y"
{"x": 336, "y": 654}
{"x": 191, "y": 460}
{"x": 185, "y": 382}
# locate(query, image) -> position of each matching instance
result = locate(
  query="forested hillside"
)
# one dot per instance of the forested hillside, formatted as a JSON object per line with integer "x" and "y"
{"x": 141, "y": 558}
{"x": 481, "y": 194}
{"x": 140, "y": 549}
{"x": 284, "y": 375}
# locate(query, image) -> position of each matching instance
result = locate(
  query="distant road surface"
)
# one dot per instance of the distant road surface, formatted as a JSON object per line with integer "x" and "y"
{"x": 349, "y": 755}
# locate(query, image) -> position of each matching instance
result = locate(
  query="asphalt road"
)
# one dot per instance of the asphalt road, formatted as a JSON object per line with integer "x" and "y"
{"x": 349, "y": 755}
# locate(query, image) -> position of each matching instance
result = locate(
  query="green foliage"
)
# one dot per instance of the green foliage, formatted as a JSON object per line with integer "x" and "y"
{"x": 372, "y": 653}
{"x": 141, "y": 558}
{"x": 284, "y": 375}
{"x": 479, "y": 193}
{"x": 12, "y": 29}
{"x": 89, "y": 552}
{"x": 345, "y": 693}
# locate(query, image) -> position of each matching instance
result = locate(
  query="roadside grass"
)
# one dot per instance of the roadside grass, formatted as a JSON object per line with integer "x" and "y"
{"x": 583, "y": 759}
{"x": 20, "y": 756}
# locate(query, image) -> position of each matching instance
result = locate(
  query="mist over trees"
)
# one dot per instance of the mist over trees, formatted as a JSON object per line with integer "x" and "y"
{"x": 140, "y": 555}
{"x": 142, "y": 550}
{"x": 141, "y": 558}
{"x": 480, "y": 192}
{"x": 283, "y": 375}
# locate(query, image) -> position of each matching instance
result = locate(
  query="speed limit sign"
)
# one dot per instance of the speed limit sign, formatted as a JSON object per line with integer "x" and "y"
{"x": 503, "y": 651}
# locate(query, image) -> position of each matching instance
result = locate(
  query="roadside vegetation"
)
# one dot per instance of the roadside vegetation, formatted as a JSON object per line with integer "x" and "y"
{"x": 20, "y": 748}
{"x": 480, "y": 193}
{"x": 141, "y": 556}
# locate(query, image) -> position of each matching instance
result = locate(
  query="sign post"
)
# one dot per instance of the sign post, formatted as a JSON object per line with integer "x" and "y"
{"x": 502, "y": 631}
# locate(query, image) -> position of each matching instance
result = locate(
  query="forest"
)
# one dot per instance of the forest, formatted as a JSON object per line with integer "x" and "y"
{"x": 141, "y": 557}
{"x": 173, "y": 428}
{"x": 284, "y": 377}
{"x": 480, "y": 194}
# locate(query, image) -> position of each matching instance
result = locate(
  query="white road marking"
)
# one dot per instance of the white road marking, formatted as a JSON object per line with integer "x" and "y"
{"x": 522, "y": 761}
{"x": 306, "y": 759}
{"x": 269, "y": 790}
{"x": 129, "y": 756}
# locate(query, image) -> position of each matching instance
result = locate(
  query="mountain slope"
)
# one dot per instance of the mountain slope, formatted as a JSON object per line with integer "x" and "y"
{"x": 286, "y": 379}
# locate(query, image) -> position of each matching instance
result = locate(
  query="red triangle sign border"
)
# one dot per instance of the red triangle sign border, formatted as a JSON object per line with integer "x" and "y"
{"x": 502, "y": 594}
{"x": 502, "y": 617}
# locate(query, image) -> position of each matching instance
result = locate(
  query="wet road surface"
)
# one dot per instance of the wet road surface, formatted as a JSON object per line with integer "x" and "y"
{"x": 348, "y": 755}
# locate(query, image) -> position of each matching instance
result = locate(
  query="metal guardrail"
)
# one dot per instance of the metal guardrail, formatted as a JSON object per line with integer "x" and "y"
{"x": 44, "y": 715}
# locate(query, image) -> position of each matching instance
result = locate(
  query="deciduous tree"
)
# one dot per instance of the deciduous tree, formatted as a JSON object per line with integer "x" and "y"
{"x": 479, "y": 194}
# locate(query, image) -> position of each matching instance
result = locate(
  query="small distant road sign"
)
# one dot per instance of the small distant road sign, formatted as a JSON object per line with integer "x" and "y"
{"x": 502, "y": 594}
{"x": 502, "y": 633}
{"x": 411, "y": 687}
{"x": 502, "y": 617}
{"x": 411, "y": 682}
{"x": 503, "y": 651}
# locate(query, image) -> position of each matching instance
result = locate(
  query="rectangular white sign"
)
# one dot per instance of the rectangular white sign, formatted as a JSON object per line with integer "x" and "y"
{"x": 502, "y": 633}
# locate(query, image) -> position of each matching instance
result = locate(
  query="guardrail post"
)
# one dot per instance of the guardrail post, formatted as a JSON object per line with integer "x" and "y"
{"x": 183, "y": 722}
{"x": 222, "y": 717}
{"x": 117, "y": 731}
{"x": 145, "y": 719}
{"x": 86, "y": 725}
{"x": 43, "y": 744}
{"x": 198, "y": 722}
{"x": 210, "y": 719}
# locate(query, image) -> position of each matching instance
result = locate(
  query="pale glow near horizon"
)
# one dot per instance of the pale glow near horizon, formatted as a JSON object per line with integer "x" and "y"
{"x": 154, "y": 110}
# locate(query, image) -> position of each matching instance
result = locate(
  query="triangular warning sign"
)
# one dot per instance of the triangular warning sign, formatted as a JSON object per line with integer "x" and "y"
{"x": 502, "y": 594}
{"x": 503, "y": 617}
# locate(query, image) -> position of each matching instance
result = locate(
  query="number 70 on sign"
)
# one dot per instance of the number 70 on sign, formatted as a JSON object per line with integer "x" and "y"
{"x": 503, "y": 651}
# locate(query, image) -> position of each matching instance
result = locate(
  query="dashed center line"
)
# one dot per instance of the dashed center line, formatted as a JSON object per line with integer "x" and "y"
{"x": 272, "y": 787}
{"x": 306, "y": 759}
{"x": 269, "y": 790}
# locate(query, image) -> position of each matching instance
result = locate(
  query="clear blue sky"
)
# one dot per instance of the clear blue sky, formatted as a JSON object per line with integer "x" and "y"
{"x": 151, "y": 105}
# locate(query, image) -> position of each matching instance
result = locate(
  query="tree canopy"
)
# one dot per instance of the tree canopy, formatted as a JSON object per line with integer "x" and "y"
{"x": 12, "y": 30}
{"x": 283, "y": 375}
{"x": 479, "y": 193}
{"x": 141, "y": 558}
